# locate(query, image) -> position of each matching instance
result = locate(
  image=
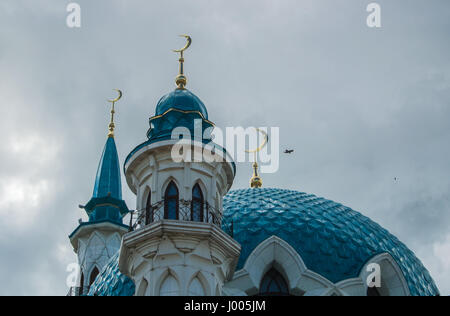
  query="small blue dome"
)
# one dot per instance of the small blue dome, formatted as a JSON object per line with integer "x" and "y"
{"x": 180, "y": 108}
{"x": 181, "y": 99}
{"x": 110, "y": 282}
{"x": 333, "y": 240}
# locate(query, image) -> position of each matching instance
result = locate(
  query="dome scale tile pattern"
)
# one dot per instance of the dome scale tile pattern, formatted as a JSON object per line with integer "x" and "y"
{"x": 333, "y": 240}
{"x": 111, "y": 282}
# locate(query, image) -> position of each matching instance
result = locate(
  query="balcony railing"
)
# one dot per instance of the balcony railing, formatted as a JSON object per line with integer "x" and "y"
{"x": 156, "y": 213}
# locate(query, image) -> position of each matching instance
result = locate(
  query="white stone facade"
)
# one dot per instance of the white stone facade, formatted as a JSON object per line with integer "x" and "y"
{"x": 276, "y": 253}
{"x": 170, "y": 257}
{"x": 152, "y": 168}
{"x": 179, "y": 258}
{"x": 95, "y": 245}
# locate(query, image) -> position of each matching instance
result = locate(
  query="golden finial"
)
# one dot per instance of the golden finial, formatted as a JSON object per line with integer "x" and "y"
{"x": 111, "y": 124}
{"x": 255, "y": 180}
{"x": 181, "y": 79}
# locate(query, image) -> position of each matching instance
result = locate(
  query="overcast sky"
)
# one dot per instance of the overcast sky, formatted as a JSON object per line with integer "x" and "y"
{"x": 360, "y": 106}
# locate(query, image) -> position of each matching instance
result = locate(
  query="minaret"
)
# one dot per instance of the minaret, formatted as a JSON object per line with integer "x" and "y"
{"x": 98, "y": 239}
{"x": 177, "y": 246}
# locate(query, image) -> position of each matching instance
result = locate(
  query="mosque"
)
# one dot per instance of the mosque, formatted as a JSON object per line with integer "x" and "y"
{"x": 191, "y": 236}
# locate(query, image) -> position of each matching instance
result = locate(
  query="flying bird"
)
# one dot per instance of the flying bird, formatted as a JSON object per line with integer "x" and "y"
{"x": 288, "y": 151}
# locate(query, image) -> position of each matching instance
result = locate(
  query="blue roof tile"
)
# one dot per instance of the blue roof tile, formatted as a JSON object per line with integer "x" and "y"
{"x": 333, "y": 240}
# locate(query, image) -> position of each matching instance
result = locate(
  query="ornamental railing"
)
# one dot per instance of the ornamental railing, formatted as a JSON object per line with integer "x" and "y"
{"x": 157, "y": 212}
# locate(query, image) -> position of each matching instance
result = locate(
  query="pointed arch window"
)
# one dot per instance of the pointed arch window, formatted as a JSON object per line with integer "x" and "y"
{"x": 197, "y": 204}
{"x": 373, "y": 291}
{"x": 94, "y": 275}
{"x": 171, "y": 202}
{"x": 149, "y": 209}
{"x": 196, "y": 288}
{"x": 273, "y": 284}
{"x": 169, "y": 287}
{"x": 81, "y": 284}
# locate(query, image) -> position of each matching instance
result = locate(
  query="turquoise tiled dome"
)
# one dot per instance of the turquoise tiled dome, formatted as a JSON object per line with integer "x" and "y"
{"x": 181, "y": 99}
{"x": 179, "y": 108}
{"x": 333, "y": 240}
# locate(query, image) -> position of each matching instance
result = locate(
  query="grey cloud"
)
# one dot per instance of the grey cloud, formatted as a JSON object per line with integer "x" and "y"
{"x": 360, "y": 106}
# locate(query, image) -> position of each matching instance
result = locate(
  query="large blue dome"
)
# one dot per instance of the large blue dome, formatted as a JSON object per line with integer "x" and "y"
{"x": 181, "y": 99}
{"x": 333, "y": 240}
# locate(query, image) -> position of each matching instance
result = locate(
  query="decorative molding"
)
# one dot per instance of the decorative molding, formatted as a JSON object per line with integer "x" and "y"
{"x": 186, "y": 249}
{"x": 277, "y": 253}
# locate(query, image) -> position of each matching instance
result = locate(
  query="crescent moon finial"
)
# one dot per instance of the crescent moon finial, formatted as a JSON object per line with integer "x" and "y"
{"x": 188, "y": 43}
{"x": 255, "y": 180}
{"x": 113, "y": 101}
{"x": 118, "y": 97}
{"x": 264, "y": 143}
{"x": 181, "y": 79}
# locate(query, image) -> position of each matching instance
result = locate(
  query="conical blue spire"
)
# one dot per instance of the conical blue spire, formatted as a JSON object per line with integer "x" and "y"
{"x": 107, "y": 181}
{"x": 106, "y": 203}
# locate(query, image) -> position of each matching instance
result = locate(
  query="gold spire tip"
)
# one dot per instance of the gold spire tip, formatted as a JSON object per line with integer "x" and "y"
{"x": 113, "y": 102}
{"x": 255, "y": 180}
{"x": 181, "y": 79}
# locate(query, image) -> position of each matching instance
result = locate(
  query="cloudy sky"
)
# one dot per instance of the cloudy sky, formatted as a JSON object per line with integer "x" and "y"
{"x": 360, "y": 106}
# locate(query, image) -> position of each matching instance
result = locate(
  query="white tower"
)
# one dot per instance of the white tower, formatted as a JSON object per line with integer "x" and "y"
{"x": 97, "y": 240}
{"x": 177, "y": 246}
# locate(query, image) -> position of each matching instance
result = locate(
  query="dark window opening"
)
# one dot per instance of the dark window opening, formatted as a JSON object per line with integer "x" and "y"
{"x": 171, "y": 202}
{"x": 373, "y": 291}
{"x": 197, "y": 204}
{"x": 273, "y": 284}
{"x": 81, "y": 283}
{"x": 149, "y": 209}
{"x": 94, "y": 274}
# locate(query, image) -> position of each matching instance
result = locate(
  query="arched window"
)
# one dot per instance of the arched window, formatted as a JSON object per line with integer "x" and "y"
{"x": 94, "y": 274}
{"x": 81, "y": 284}
{"x": 142, "y": 288}
{"x": 197, "y": 204}
{"x": 373, "y": 291}
{"x": 196, "y": 288}
{"x": 149, "y": 209}
{"x": 273, "y": 284}
{"x": 171, "y": 202}
{"x": 169, "y": 287}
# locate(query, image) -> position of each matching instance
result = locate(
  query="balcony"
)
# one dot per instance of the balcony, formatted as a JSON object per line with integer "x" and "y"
{"x": 157, "y": 212}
